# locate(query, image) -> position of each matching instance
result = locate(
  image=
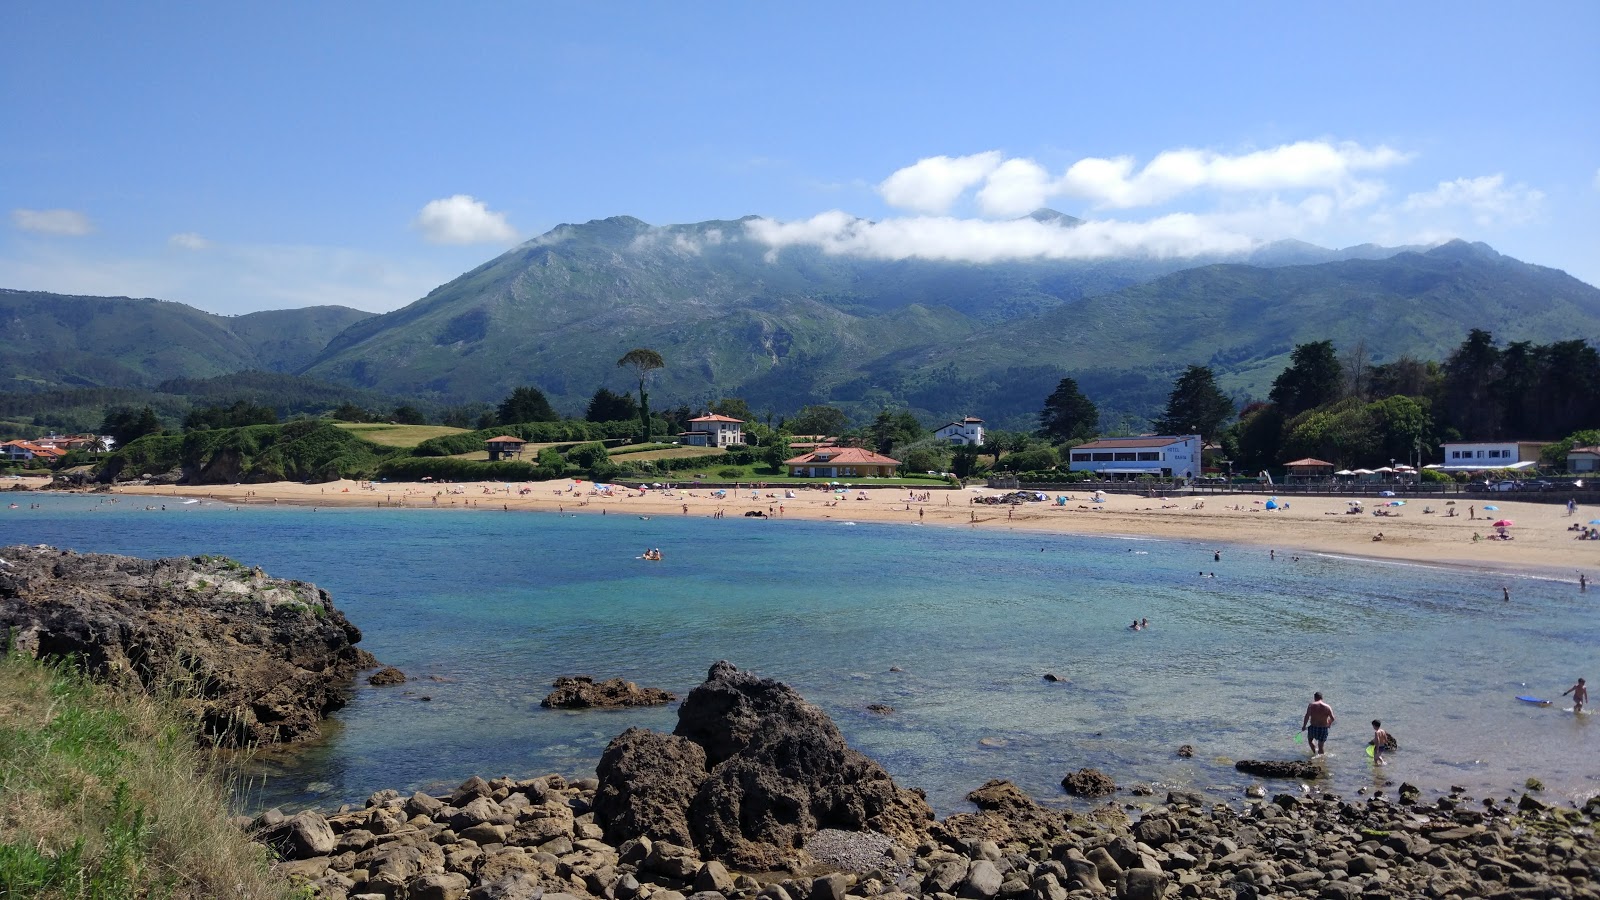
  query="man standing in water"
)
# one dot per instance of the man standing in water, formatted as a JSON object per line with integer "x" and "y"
{"x": 1316, "y": 722}
{"x": 1580, "y": 696}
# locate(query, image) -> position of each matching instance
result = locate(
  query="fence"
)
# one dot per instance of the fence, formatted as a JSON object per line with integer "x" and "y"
{"x": 1586, "y": 495}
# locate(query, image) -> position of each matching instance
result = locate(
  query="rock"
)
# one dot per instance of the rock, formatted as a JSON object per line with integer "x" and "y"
{"x": 1005, "y": 814}
{"x": 1109, "y": 869}
{"x": 882, "y": 709}
{"x": 1087, "y": 874}
{"x": 647, "y": 781}
{"x": 386, "y": 676}
{"x": 583, "y": 692}
{"x": 515, "y": 886}
{"x": 672, "y": 861}
{"x": 778, "y": 771}
{"x": 713, "y": 876}
{"x": 828, "y": 887}
{"x": 265, "y": 659}
{"x": 1186, "y": 751}
{"x": 302, "y": 837}
{"x": 1089, "y": 783}
{"x": 982, "y": 881}
{"x": 448, "y": 886}
{"x": 1280, "y": 768}
{"x": 1142, "y": 884}
{"x": 1153, "y": 830}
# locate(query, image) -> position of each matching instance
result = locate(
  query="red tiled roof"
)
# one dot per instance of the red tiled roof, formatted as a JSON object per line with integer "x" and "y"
{"x": 717, "y": 418}
{"x": 837, "y": 456}
{"x": 505, "y": 439}
{"x": 1592, "y": 450}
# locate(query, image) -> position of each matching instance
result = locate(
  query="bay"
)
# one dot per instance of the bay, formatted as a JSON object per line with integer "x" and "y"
{"x": 953, "y": 628}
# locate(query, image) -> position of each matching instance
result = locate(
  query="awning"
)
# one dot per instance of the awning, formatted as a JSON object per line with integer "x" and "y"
{"x": 1128, "y": 471}
{"x": 1513, "y": 467}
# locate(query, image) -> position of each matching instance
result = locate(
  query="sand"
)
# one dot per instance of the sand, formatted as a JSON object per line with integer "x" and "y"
{"x": 1541, "y": 542}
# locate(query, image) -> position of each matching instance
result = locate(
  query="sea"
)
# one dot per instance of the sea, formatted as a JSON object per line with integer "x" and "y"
{"x": 954, "y": 629}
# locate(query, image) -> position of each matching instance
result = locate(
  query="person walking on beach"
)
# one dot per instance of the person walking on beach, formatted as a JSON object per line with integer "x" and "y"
{"x": 1507, "y": 592}
{"x": 1583, "y": 582}
{"x": 1380, "y": 740}
{"x": 1316, "y": 722}
{"x": 1580, "y": 696}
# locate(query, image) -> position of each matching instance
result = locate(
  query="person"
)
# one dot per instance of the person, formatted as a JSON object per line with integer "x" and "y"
{"x": 1583, "y": 582}
{"x": 1316, "y": 722}
{"x": 1580, "y": 695}
{"x": 1380, "y": 740}
{"x": 1134, "y": 626}
{"x": 1507, "y": 592}
{"x": 1216, "y": 556}
{"x": 1472, "y": 512}
{"x": 1144, "y": 624}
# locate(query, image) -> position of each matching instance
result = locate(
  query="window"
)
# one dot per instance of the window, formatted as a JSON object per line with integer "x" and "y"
{"x": 1102, "y": 457}
{"x": 1455, "y": 454}
{"x": 1124, "y": 456}
{"x": 1149, "y": 457}
{"x": 1080, "y": 457}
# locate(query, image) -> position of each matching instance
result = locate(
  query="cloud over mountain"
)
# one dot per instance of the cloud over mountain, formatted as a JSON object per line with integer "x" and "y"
{"x": 463, "y": 219}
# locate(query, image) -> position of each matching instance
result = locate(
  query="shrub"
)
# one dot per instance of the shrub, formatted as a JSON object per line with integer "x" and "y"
{"x": 1029, "y": 460}
{"x": 730, "y": 472}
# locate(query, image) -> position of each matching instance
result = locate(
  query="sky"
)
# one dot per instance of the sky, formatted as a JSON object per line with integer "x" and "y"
{"x": 239, "y": 157}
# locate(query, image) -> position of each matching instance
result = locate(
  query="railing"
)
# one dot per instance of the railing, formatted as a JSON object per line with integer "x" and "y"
{"x": 1560, "y": 494}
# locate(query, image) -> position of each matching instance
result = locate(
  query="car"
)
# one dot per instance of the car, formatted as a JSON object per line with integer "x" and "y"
{"x": 1537, "y": 484}
{"x": 1502, "y": 485}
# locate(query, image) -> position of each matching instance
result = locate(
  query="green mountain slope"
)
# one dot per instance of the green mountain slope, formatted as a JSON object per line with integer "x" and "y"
{"x": 730, "y": 315}
{"x": 50, "y": 341}
{"x": 1244, "y": 320}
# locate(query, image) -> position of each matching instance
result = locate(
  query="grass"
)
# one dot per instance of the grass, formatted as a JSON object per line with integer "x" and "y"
{"x": 671, "y": 452}
{"x": 406, "y": 436}
{"x": 105, "y": 795}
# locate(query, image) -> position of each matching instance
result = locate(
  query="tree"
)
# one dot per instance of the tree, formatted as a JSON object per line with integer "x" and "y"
{"x": 609, "y": 406}
{"x": 733, "y": 408}
{"x": 925, "y": 455}
{"x": 407, "y": 414}
{"x": 240, "y": 414}
{"x": 819, "y": 420}
{"x": 349, "y": 412}
{"x": 1068, "y": 415}
{"x": 889, "y": 429}
{"x": 642, "y": 361}
{"x": 1196, "y": 405}
{"x": 1259, "y": 437}
{"x": 1314, "y": 377}
{"x": 1471, "y": 405}
{"x": 126, "y": 425}
{"x": 525, "y": 404}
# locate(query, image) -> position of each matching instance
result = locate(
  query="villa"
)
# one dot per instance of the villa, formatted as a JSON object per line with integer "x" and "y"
{"x": 967, "y": 432}
{"x": 713, "y": 431}
{"x": 842, "y": 462}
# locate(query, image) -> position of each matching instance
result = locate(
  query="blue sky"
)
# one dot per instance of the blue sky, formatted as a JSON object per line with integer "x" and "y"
{"x": 277, "y": 155}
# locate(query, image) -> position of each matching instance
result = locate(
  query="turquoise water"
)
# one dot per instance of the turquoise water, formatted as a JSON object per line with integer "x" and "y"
{"x": 483, "y": 609}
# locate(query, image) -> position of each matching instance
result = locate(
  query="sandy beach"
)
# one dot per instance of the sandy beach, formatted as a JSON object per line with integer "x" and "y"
{"x": 1540, "y": 540}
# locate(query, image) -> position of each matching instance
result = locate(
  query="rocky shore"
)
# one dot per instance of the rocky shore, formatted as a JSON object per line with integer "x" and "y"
{"x": 258, "y": 660}
{"x": 755, "y": 797}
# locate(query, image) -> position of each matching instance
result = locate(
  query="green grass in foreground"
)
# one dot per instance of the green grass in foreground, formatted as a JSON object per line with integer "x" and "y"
{"x": 105, "y": 795}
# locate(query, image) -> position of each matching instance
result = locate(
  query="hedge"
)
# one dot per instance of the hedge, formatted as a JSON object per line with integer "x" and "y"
{"x": 571, "y": 430}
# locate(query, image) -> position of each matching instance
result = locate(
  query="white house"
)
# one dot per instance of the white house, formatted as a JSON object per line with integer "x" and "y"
{"x": 968, "y": 432}
{"x": 1165, "y": 456}
{"x": 1476, "y": 456}
{"x": 714, "y": 431}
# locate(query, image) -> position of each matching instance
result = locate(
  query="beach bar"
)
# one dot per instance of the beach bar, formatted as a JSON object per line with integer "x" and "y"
{"x": 1164, "y": 456}
{"x": 1308, "y": 469}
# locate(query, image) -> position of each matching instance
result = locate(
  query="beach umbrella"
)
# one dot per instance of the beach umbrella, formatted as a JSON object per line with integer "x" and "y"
{"x": 1344, "y": 472}
{"x": 1355, "y": 502}
{"x": 1594, "y": 521}
{"x": 1397, "y": 503}
{"x": 1504, "y": 523}
{"x": 1492, "y": 507}
{"x": 1363, "y": 472}
{"x": 1386, "y": 493}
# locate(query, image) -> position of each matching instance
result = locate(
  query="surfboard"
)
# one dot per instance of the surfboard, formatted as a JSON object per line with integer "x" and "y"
{"x": 1534, "y": 700}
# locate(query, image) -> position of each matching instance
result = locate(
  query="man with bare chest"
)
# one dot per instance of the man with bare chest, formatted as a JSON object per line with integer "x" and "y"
{"x": 1316, "y": 722}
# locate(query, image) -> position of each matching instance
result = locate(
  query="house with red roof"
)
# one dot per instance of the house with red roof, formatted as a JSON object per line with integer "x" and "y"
{"x": 504, "y": 447}
{"x": 842, "y": 462}
{"x": 21, "y": 451}
{"x": 712, "y": 430}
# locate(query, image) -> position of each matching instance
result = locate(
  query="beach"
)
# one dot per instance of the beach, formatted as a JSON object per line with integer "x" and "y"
{"x": 1540, "y": 540}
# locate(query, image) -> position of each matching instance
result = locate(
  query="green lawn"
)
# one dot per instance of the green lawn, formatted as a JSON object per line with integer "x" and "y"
{"x": 397, "y": 435}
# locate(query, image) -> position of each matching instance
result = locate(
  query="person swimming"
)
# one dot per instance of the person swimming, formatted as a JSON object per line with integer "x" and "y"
{"x": 1134, "y": 626}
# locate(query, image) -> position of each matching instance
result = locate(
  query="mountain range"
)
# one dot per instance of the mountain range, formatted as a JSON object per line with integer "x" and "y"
{"x": 733, "y": 316}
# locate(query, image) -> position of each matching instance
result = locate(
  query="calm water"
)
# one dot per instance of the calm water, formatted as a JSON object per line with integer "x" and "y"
{"x": 483, "y": 609}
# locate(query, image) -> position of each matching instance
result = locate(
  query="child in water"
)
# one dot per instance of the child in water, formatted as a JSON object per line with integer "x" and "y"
{"x": 1380, "y": 739}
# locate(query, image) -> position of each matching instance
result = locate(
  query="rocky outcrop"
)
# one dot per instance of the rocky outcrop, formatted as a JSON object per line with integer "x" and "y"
{"x": 776, "y": 770}
{"x": 1089, "y": 783}
{"x": 1280, "y": 768}
{"x": 583, "y": 692}
{"x": 259, "y": 660}
{"x": 499, "y": 839}
{"x": 1006, "y": 815}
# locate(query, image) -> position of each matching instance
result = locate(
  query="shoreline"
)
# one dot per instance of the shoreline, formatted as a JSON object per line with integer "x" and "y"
{"x": 1541, "y": 546}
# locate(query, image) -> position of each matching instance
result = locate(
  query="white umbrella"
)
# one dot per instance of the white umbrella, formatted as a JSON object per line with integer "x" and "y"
{"x": 1344, "y": 472}
{"x": 1382, "y": 469}
{"x": 1363, "y": 472}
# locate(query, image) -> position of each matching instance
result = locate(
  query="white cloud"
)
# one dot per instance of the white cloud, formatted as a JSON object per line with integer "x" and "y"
{"x": 931, "y": 185}
{"x": 1488, "y": 198}
{"x": 463, "y": 219}
{"x": 1015, "y": 188}
{"x": 982, "y": 241}
{"x": 188, "y": 240}
{"x": 59, "y": 222}
{"x": 1113, "y": 183}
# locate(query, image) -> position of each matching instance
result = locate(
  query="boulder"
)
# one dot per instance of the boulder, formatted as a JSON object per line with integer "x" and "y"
{"x": 1089, "y": 783}
{"x": 386, "y": 676}
{"x": 447, "y": 886}
{"x": 1142, "y": 884}
{"x": 1005, "y": 814}
{"x": 1280, "y": 768}
{"x": 647, "y": 780}
{"x": 302, "y": 837}
{"x": 258, "y": 660}
{"x": 583, "y": 692}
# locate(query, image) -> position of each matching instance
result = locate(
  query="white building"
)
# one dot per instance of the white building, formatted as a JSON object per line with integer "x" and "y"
{"x": 1477, "y": 456}
{"x": 714, "y": 431}
{"x": 1165, "y": 456}
{"x": 968, "y": 432}
{"x": 1583, "y": 459}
